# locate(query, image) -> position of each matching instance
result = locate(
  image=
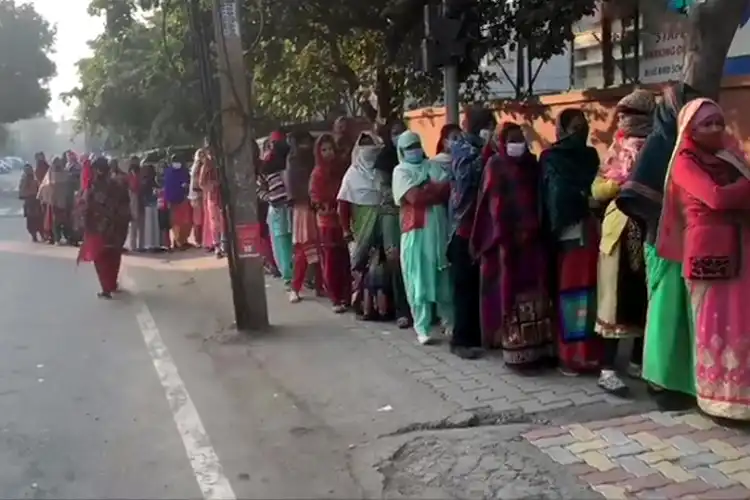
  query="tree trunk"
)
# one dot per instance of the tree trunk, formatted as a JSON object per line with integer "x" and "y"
{"x": 713, "y": 24}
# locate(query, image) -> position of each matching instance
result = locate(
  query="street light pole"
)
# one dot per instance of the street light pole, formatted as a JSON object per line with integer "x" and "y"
{"x": 238, "y": 172}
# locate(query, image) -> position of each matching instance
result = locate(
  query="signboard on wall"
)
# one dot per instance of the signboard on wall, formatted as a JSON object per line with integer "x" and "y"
{"x": 663, "y": 43}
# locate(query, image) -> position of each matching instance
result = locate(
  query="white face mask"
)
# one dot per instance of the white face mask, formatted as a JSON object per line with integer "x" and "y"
{"x": 515, "y": 149}
{"x": 176, "y": 165}
{"x": 369, "y": 153}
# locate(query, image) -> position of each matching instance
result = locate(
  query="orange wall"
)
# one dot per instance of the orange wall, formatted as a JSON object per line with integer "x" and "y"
{"x": 538, "y": 117}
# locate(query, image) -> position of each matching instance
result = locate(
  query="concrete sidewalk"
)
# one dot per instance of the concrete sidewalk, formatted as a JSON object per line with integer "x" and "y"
{"x": 423, "y": 423}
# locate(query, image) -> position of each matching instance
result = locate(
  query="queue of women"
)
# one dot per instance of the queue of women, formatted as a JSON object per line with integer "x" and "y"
{"x": 551, "y": 260}
{"x": 94, "y": 204}
{"x": 554, "y": 259}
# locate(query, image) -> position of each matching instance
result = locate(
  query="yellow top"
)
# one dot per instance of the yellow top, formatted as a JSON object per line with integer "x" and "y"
{"x": 605, "y": 190}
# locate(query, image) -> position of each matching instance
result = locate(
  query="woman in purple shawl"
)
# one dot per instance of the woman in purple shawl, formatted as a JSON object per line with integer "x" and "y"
{"x": 176, "y": 185}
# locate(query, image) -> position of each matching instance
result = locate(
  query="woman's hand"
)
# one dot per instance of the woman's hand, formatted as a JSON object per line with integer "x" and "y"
{"x": 348, "y": 237}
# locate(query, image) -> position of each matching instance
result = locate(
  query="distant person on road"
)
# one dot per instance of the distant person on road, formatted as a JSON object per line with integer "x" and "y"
{"x": 106, "y": 214}
{"x": 176, "y": 186}
{"x": 210, "y": 186}
{"x": 53, "y": 194}
{"x": 195, "y": 195}
{"x": 135, "y": 233}
{"x": 41, "y": 167}
{"x": 148, "y": 194}
{"x": 28, "y": 188}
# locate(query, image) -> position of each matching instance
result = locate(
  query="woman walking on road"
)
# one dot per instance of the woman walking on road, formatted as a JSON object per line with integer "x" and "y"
{"x": 28, "y": 189}
{"x": 106, "y": 215}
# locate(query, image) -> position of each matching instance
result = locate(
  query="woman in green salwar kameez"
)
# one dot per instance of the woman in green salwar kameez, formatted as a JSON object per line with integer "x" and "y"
{"x": 421, "y": 189}
{"x": 370, "y": 221}
{"x": 669, "y": 352}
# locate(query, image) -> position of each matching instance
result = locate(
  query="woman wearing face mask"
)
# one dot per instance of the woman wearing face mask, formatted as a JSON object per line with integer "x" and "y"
{"x": 299, "y": 167}
{"x": 325, "y": 183}
{"x": 279, "y": 219}
{"x": 569, "y": 167}
{"x": 705, "y": 227}
{"x": 516, "y": 310}
{"x": 621, "y": 291}
{"x": 106, "y": 215}
{"x": 359, "y": 204}
{"x": 176, "y": 186}
{"x": 421, "y": 189}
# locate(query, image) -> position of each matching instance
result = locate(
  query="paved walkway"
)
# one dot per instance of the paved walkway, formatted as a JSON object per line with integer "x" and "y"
{"x": 652, "y": 455}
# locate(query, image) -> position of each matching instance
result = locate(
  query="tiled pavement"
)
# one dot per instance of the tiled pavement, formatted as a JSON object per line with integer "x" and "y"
{"x": 480, "y": 384}
{"x": 653, "y": 455}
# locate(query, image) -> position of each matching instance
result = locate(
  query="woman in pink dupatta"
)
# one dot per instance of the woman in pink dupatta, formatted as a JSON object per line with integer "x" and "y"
{"x": 706, "y": 226}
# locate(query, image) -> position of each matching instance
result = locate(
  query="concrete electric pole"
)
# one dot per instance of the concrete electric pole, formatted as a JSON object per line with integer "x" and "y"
{"x": 450, "y": 85}
{"x": 245, "y": 264}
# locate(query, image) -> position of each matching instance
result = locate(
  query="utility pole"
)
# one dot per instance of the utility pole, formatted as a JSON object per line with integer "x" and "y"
{"x": 238, "y": 175}
{"x": 450, "y": 85}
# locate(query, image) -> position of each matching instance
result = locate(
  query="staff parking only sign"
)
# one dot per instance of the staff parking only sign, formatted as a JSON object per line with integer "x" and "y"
{"x": 664, "y": 49}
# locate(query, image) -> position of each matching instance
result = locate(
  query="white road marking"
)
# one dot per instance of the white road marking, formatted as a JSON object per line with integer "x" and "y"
{"x": 11, "y": 212}
{"x": 203, "y": 458}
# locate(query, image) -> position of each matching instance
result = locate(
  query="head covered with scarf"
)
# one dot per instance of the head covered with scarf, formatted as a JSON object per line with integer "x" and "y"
{"x": 641, "y": 195}
{"x": 635, "y": 114}
{"x": 299, "y": 165}
{"x": 362, "y": 183}
{"x": 328, "y": 173}
{"x": 635, "y": 120}
{"x": 715, "y": 152}
{"x": 569, "y": 167}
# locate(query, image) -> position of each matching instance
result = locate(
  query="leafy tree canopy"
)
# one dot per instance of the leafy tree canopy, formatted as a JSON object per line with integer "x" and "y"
{"x": 26, "y": 41}
{"x": 140, "y": 84}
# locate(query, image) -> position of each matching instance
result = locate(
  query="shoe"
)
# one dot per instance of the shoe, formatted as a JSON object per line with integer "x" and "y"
{"x": 610, "y": 382}
{"x": 424, "y": 339}
{"x": 467, "y": 352}
{"x": 294, "y": 297}
{"x": 104, "y": 295}
{"x": 339, "y": 309}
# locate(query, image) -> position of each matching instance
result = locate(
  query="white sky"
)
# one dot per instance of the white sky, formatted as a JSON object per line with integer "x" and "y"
{"x": 74, "y": 29}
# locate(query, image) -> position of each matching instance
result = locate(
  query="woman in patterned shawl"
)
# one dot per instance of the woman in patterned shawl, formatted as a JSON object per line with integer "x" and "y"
{"x": 106, "y": 215}
{"x": 515, "y": 306}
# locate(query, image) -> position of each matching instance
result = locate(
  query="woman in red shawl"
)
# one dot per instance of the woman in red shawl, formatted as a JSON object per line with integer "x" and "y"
{"x": 325, "y": 183}
{"x": 106, "y": 215}
{"x": 516, "y": 309}
{"x": 704, "y": 226}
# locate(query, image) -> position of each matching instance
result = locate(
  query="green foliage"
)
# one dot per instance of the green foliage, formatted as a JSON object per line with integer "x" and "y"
{"x": 310, "y": 59}
{"x": 26, "y": 40}
{"x": 140, "y": 84}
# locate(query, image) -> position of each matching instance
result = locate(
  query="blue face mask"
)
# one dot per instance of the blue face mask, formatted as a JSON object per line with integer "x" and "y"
{"x": 394, "y": 138}
{"x": 414, "y": 155}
